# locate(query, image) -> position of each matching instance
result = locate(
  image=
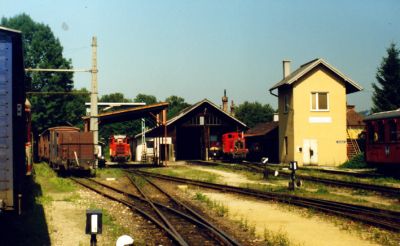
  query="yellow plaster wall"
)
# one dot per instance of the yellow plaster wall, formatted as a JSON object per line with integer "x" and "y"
{"x": 331, "y": 137}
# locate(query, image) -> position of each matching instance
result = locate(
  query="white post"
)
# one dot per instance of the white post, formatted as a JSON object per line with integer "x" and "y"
{"x": 94, "y": 127}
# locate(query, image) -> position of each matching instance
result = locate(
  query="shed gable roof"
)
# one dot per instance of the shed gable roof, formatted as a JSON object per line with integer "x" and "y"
{"x": 190, "y": 109}
{"x": 351, "y": 86}
{"x": 196, "y": 105}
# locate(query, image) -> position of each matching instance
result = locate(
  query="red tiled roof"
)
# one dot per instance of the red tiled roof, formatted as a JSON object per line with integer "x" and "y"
{"x": 354, "y": 118}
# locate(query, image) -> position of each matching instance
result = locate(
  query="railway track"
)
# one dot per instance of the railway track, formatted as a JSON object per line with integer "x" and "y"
{"x": 172, "y": 202}
{"x": 393, "y": 191}
{"x": 373, "y": 216}
{"x": 181, "y": 228}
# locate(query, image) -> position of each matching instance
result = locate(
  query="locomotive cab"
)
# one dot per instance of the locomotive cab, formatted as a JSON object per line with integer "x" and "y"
{"x": 234, "y": 146}
{"x": 120, "y": 150}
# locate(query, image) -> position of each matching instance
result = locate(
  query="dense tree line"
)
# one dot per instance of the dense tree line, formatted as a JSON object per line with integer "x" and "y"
{"x": 252, "y": 113}
{"x": 386, "y": 95}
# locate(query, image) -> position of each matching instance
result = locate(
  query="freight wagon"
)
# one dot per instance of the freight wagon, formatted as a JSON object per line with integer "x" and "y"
{"x": 12, "y": 118}
{"x": 67, "y": 148}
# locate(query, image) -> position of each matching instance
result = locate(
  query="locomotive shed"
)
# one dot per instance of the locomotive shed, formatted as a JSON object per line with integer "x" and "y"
{"x": 195, "y": 127}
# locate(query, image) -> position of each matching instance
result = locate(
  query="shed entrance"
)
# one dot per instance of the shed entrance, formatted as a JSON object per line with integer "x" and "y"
{"x": 188, "y": 143}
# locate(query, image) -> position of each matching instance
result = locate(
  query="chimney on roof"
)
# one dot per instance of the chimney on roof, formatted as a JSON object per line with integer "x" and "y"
{"x": 225, "y": 102}
{"x": 232, "y": 109}
{"x": 286, "y": 68}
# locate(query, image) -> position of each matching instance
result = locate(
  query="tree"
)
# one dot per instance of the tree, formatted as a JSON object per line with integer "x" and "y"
{"x": 148, "y": 99}
{"x": 386, "y": 95}
{"x": 114, "y": 97}
{"x": 253, "y": 113}
{"x": 176, "y": 104}
{"x": 43, "y": 50}
{"x": 76, "y": 107}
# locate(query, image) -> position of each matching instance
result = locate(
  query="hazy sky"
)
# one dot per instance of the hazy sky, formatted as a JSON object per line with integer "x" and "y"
{"x": 196, "y": 49}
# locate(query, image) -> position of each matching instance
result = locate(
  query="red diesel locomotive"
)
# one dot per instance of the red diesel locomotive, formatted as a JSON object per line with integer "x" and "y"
{"x": 120, "y": 150}
{"x": 234, "y": 146}
{"x": 383, "y": 138}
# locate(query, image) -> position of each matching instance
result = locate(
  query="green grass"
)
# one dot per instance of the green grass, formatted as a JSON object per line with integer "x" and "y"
{"x": 275, "y": 238}
{"x": 43, "y": 200}
{"x": 110, "y": 173}
{"x": 184, "y": 172}
{"x": 357, "y": 161}
{"x": 220, "y": 209}
{"x": 49, "y": 180}
{"x": 322, "y": 191}
{"x": 72, "y": 198}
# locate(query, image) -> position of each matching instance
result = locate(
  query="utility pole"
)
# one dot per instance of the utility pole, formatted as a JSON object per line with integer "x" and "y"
{"x": 94, "y": 126}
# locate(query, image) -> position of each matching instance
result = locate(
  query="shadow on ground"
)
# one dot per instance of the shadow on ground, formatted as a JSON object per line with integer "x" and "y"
{"x": 30, "y": 227}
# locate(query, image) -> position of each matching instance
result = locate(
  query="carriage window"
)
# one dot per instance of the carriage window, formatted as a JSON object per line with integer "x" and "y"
{"x": 394, "y": 134}
{"x": 381, "y": 132}
{"x": 372, "y": 135}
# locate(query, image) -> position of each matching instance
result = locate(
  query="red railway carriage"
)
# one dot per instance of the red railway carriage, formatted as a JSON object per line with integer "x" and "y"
{"x": 383, "y": 138}
{"x": 120, "y": 149}
{"x": 234, "y": 146}
{"x": 67, "y": 148}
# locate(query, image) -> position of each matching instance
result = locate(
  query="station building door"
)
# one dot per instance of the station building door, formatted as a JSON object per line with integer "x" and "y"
{"x": 188, "y": 145}
{"x": 310, "y": 152}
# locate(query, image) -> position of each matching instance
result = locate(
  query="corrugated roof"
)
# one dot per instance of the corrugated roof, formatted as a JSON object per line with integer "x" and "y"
{"x": 262, "y": 129}
{"x": 383, "y": 115}
{"x": 351, "y": 86}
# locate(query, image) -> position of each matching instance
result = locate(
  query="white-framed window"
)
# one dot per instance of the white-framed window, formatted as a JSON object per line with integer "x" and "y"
{"x": 319, "y": 101}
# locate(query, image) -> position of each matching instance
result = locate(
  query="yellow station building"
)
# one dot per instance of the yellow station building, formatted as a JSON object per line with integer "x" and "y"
{"x": 312, "y": 113}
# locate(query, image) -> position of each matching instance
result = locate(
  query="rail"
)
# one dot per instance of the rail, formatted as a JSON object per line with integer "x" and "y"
{"x": 378, "y": 217}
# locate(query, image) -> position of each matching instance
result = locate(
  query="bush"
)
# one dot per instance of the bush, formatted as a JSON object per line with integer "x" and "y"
{"x": 357, "y": 161}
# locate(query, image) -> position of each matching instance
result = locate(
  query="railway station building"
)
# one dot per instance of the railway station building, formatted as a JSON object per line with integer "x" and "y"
{"x": 190, "y": 133}
{"x": 312, "y": 113}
